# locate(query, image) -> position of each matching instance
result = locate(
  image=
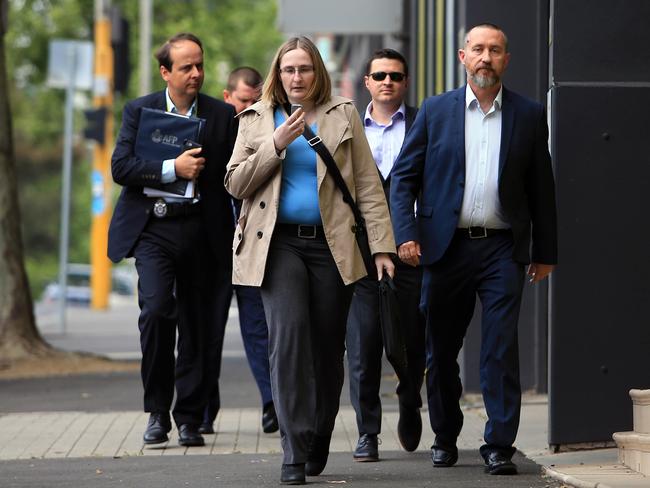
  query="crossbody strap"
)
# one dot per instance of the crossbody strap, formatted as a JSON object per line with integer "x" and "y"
{"x": 317, "y": 145}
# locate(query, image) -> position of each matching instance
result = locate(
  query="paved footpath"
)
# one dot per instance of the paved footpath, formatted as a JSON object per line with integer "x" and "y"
{"x": 86, "y": 431}
{"x": 56, "y": 435}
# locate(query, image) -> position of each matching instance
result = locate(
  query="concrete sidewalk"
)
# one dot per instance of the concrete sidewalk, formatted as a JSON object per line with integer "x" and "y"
{"x": 45, "y": 434}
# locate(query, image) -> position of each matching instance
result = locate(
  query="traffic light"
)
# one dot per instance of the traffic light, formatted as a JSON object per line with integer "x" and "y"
{"x": 95, "y": 124}
{"x": 120, "y": 44}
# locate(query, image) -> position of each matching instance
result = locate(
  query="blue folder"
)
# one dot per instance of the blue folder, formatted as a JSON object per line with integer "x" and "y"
{"x": 161, "y": 135}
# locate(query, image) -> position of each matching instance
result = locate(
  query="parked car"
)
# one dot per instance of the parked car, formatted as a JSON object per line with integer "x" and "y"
{"x": 78, "y": 284}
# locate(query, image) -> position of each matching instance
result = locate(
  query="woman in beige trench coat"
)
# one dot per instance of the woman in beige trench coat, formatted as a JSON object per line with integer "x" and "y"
{"x": 295, "y": 239}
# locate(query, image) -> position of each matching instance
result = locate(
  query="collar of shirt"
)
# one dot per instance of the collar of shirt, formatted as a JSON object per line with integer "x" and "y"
{"x": 368, "y": 120}
{"x": 471, "y": 101}
{"x": 172, "y": 108}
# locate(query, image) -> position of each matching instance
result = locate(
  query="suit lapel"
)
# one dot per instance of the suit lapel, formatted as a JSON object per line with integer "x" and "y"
{"x": 507, "y": 125}
{"x": 160, "y": 102}
{"x": 458, "y": 120}
{"x": 411, "y": 112}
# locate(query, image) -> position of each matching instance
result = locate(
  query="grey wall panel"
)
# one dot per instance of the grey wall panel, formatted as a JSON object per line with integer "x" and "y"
{"x": 600, "y": 336}
{"x": 600, "y": 40}
{"x": 526, "y": 24}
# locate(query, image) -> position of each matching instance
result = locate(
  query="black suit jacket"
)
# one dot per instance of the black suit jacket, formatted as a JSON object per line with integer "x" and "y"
{"x": 134, "y": 209}
{"x": 431, "y": 170}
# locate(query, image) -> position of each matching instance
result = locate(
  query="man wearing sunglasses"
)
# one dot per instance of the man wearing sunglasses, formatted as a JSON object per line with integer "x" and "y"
{"x": 387, "y": 120}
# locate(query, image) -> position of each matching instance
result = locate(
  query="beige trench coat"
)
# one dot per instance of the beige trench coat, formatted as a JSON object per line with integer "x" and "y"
{"x": 254, "y": 175}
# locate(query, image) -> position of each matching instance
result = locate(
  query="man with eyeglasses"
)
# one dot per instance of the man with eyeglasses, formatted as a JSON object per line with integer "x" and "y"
{"x": 387, "y": 120}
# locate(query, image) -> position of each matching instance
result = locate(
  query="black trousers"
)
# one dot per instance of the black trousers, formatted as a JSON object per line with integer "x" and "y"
{"x": 306, "y": 305}
{"x": 216, "y": 309}
{"x": 173, "y": 286}
{"x": 365, "y": 346}
{"x": 471, "y": 268}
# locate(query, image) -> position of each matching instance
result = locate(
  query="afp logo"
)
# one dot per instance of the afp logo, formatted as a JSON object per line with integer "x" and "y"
{"x": 159, "y": 138}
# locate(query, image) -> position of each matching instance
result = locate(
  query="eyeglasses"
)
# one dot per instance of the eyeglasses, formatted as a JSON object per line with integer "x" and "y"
{"x": 381, "y": 76}
{"x": 292, "y": 70}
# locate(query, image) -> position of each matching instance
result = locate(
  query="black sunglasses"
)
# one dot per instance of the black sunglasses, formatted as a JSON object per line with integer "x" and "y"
{"x": 381, "y": 76}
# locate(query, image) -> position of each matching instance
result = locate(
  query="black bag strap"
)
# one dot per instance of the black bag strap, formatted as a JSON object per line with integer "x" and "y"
{"x": 317, "y": 145}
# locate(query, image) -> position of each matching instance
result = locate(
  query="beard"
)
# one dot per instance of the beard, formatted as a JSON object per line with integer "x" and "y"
{"x": 483, "y": 81}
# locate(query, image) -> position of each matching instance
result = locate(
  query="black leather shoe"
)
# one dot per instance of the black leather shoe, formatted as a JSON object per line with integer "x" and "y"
{"x": 409, "y": 427}
{"x": 499, "y": 464}
{"x": 269, "y": 419}
{"x": 443, "y": 457}
{"x": 206, "y": 428}
{"x": 367, "y": 450}
{"x": 188, "y": 435}
{"x": 157, "y": 428}
{"x": 292, "y": 474}
{"x": 319, "y": 451}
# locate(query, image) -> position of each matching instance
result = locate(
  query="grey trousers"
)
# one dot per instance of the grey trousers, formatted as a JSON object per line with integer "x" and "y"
{"x": 306, "y": 305}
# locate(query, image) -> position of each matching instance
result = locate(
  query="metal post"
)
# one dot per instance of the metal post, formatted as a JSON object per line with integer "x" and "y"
{"x": 146, "y": 10}
{"x": 100, "y": 278}
{"x": 65, "y": 191}
{"x": 450, "y": 45}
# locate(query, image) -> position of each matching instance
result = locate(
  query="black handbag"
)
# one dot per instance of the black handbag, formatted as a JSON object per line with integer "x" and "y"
{"x": 391, "y": 329}
{"x": 360, "y": 231}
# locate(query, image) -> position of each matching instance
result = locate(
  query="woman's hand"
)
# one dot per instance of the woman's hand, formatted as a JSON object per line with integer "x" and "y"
{"x": 384, "y": 262}
{"x": 290, "y": 129}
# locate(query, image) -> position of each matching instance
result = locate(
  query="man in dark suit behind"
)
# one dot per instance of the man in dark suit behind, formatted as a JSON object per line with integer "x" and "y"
{"x": 477, "y": 162}
{"x": 243, "y": 90}
{"x": 181, "y": 246}
{"x": 387, "y": 120}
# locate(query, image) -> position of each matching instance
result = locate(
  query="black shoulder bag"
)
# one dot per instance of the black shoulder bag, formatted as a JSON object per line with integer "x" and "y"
{"x": 359, "y": 229}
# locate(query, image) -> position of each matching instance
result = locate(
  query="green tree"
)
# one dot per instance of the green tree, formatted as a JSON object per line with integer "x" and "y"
{"x": 18, "y": 334}
{"x": 234, "y": 32}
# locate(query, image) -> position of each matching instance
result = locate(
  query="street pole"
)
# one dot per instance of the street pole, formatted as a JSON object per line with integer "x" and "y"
{"x": 146, "y": 10}
{"x": 100, "y": 278}
{"x": 65, "y": 191}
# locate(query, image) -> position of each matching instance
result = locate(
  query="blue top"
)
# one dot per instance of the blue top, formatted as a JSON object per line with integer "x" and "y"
{"x": 299, "y": 191}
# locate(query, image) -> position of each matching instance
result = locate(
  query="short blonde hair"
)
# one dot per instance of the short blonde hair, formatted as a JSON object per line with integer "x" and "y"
{"x": 321, "y": 89}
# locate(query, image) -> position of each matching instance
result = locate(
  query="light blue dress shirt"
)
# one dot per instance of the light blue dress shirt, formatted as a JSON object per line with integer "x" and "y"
{"x": 385, "y": 140}
{"x": 481, "y": 205}
{"x": 168, "y": 172}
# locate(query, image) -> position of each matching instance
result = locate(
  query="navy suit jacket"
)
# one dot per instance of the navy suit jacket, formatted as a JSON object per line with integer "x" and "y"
{"x": 431, "y": 170}
{"x": 134, "y": 209}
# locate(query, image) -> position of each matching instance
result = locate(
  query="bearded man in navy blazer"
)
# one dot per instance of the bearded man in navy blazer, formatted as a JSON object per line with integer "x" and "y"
{"x": 477, "y": 163}
{"x": 182, "y": 246}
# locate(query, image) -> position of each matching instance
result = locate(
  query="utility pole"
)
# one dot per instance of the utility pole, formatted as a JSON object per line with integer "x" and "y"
{"x": 100, "y": 278}
{"x": 146, "y": 10}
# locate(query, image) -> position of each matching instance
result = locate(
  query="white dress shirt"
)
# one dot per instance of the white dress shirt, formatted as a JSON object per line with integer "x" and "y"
{"x": 481, "y": 206}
